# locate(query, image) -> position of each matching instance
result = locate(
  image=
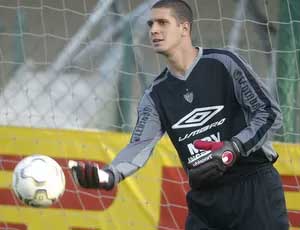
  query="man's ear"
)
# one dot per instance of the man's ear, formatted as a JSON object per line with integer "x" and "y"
{"x": 186, "y": 28}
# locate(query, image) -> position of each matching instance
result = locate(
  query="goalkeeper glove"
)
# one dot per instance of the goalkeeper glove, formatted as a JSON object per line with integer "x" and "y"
{"x": 213, "y": 163}
{"x": 88, "y": 175}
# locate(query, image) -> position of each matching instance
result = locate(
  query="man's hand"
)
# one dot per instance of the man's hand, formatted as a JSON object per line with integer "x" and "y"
{"x": 213, "y": 162}
{"x": 88, "y": 175}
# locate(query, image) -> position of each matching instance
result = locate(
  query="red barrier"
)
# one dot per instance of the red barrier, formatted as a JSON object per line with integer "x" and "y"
{"x": 5, "y": 226}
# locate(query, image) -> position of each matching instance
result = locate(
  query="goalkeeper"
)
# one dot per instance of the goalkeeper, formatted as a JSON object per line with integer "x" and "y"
{"x": 219, "y": 117}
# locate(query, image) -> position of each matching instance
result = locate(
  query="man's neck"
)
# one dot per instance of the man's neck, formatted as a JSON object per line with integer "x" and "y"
{"x": 180, "y": 61}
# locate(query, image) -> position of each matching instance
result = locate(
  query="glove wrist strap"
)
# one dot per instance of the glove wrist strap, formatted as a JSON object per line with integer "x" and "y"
{"x": 110, "y": 182}
{"x": 237, "y": 145}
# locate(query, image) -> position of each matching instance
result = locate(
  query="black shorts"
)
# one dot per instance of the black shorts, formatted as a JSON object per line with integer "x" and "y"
{"x": 256, "y": 202}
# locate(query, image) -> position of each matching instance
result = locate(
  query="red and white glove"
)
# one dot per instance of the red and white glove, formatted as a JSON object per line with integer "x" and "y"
{"x": 89, "y": 175}
{"x": 213, "y": 163}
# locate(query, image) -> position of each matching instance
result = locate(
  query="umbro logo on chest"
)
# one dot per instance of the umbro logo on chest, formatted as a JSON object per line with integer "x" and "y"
{"x": 198, "y": 117}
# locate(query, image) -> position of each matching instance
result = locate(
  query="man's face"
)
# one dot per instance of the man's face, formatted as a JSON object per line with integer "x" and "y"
{"x": 165, "y": 32}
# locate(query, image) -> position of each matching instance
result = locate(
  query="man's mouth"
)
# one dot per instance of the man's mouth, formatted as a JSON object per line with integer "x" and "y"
{"x": 156, "y": 40}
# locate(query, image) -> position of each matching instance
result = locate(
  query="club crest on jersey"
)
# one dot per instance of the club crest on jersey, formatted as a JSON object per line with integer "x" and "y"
{"x": 189, "y": 97}
{"x": 198, "y": 117}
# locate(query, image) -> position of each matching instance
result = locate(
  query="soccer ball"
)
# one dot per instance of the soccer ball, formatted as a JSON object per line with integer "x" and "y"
{"x": 38, "y": 181}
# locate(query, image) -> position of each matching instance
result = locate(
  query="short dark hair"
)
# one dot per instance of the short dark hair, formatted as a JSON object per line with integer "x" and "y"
{"x": 181, "y": 9}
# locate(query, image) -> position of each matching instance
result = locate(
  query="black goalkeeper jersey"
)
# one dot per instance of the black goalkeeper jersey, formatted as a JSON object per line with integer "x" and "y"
{"x": 219, "y": 97}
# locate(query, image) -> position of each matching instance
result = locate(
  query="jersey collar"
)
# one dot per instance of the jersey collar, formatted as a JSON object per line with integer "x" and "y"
{"x": 189, "y": 70}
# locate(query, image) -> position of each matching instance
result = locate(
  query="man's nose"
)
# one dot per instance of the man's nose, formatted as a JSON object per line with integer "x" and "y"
{"x": 154, "y": 29}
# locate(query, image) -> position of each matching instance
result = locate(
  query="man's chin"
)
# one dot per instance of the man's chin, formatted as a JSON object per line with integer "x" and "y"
{"x": 159, "y": 50}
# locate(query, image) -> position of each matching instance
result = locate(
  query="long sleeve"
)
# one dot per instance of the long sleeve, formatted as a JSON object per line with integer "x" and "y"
{"x": 147, "y": 132}
{"x": 261, "y": 110}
